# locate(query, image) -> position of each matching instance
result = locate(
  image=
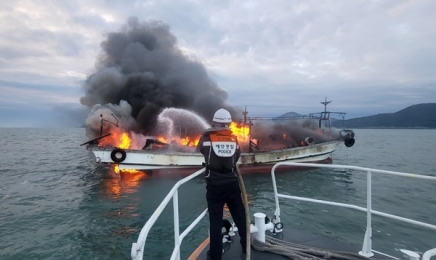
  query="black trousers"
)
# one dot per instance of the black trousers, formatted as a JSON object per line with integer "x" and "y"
{"x": 216, "y": 197}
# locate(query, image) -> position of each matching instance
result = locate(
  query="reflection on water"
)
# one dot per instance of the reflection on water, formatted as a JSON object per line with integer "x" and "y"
{"x": 123, "y": 182}
{"x": 124, "y": 231}
{"x": 119, "y": 184}
{"x": 128, "y": 211}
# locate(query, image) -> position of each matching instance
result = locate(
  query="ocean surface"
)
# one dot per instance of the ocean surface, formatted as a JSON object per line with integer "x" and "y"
{"x": 57, "y": 203}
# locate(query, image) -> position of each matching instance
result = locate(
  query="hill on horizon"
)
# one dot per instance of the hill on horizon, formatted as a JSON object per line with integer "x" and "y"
{"x": 415, "y": 116}
{"x": 290, "y": 114}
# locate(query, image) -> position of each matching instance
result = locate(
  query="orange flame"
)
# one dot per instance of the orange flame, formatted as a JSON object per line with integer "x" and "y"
{"x": 187, "y": 141}
{"x": 128, "y": 182}
{"x": 162, "y": 139}
{"x": 118, "y": 171}
{"x": 118, "y": 138}
{"x": 190, "y": 141}
{"x": 125, "y": 141}
{"x": 241, "y": 131}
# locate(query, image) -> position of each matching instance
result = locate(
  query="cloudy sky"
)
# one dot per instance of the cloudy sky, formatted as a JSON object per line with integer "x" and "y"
{"x": 274, "y": 56}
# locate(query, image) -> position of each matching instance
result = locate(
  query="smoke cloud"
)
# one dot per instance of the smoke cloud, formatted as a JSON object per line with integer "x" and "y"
{"x": 145, "y": 85}
{"x": 142, "y": 65}
{"x": 279, "y": 134}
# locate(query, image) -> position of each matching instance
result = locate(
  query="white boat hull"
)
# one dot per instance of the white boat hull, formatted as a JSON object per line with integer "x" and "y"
{"x": 158, "y": 160}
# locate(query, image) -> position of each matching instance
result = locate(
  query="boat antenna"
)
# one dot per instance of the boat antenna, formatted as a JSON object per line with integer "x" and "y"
{"x": 101, "y": 125}
{"x": 325, "y": 103}
{"x": 249, "y": 124}
{"x": 245, "y": 113}
{"x": 325, "y": 116}
{"x": 116, "y": 124}
{"x": 104, "y": 120}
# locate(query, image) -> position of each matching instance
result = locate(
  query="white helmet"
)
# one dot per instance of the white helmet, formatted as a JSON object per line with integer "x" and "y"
{"x": 222, "y": 116}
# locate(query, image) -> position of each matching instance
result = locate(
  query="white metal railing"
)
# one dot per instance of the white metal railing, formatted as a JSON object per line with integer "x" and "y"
{"x": 367, "y": 242}
{"x": 137, "y": 251}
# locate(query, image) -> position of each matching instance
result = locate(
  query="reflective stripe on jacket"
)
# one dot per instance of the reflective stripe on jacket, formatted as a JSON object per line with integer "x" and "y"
{"x": 220, "y": 169}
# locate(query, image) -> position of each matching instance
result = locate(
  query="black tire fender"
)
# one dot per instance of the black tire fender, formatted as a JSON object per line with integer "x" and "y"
{"x": 115, "y": 155}
{"x": 349, "y": 142}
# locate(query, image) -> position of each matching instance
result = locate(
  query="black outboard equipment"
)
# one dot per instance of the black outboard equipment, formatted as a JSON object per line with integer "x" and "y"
{"x": 349, "y": 142}
{"x": 309, "y": 140}
{"x": 348, "y": 136}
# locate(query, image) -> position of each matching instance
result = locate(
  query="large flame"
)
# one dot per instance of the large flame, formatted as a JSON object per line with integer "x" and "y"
{"x": 123, "y": 140}
{"x": 187, "y": 141}
{"x": 118, "y": 138}
{"x": 190, "y": 141}
{"x": 241, "y": 131}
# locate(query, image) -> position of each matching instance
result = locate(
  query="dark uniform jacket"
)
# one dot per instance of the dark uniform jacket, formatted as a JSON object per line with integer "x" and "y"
{"x": 221, "y": 151}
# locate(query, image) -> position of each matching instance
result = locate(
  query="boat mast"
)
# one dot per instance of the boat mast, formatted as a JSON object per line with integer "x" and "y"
{"x": 325, "y": 103}
{"x": 325, "y": 116}
{"x": 249, "y": 124}
{"x": 104, "y": 120}
{"x": 245, "y": 115}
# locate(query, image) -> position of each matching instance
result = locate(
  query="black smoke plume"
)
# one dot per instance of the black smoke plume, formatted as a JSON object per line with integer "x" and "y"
{"x": 278, "y": 134}
{"x": 143, "y": 65}
{"x": 145, "y": 84}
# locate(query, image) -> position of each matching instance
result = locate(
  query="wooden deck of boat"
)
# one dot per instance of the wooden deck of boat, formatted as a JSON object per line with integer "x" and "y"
{"x": 233, "y": 250}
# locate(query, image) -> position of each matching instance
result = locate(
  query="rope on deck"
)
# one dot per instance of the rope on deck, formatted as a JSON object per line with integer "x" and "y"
{"x": 299, "y": 252}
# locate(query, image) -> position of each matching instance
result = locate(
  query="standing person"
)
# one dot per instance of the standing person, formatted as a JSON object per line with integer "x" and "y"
{"x": 221, "y": 151}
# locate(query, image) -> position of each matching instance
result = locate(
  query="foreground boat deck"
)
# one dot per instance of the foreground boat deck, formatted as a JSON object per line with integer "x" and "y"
{"x": 327, "y": 248}
{"x": 233, "y": 250}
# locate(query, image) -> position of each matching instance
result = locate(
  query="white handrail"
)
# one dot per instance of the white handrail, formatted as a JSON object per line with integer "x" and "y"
{"x": 367, "y": 242}
{"x": 137, "y": 250}
{"x": 428, "y": 254}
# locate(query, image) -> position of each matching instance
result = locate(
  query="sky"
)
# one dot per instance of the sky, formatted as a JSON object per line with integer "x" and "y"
{"x": 273, "y": 57}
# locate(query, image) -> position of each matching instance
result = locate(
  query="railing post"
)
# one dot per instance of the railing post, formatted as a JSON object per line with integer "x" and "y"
{"x": 176, "y": 223}
{"x": 367, "y": 241}
{"x": 276, "y": 197}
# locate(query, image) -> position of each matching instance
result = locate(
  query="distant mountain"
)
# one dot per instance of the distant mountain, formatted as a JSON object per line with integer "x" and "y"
{"x": 290, "y": 114}
{"x": 416, "y": 116}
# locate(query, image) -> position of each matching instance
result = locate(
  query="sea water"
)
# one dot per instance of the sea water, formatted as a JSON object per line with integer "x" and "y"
{"x": 57, "y": 203}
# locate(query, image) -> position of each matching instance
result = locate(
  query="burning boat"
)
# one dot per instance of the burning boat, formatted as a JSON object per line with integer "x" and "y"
{"x": 148, "y": 99}
{"x": 264, "y": 143}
